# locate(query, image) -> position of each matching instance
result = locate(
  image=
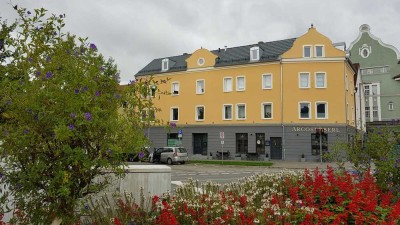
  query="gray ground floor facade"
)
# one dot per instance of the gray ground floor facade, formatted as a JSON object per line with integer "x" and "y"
{"x": 253, "y": 142}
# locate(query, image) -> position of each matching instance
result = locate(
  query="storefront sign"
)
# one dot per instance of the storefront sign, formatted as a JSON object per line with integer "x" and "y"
{"x": 313, "y": 129}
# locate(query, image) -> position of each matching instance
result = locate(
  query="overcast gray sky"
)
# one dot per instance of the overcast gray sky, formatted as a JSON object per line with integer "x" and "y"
{"x": 134, "y": 32}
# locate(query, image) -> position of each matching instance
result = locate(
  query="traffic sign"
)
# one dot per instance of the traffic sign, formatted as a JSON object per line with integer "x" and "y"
{"x": 222, "y": 142}
{"x": 221, "y": 135}
{"x": 180, "y": 133}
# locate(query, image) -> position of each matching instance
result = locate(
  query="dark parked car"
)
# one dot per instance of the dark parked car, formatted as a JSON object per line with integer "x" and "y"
{"x": 140, "y": 155}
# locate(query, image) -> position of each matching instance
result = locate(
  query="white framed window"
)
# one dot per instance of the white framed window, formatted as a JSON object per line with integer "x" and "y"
{"x": 267, "y": 81}
{"x": 319, "y": 51}
{"x": 147, "y": 114}
{"x": 375, "y": 111}
{"x": 304, "y": 80}
{"x": 366, "y": 90}
{"x": 241, "y": 111}
{"x": 174, "y": 113}
{"x": 227, "y": 84}
{"x": 367, "y": 112}
{"x": 374, "y": 89}
{"x": 227, "y": 112}
{"x": 321, "y": 110}
{"x": 200, "y": 113}
{"x": 175, "y": 88}
{"x": 266, "y": 110}
{"x": 153, "y": 90}
{"x": 200, "y": 86}
{"x": 304, "y": 110}
{"x": 391, "y": 106}
{"x": 240, "y": 83}
{"x": 164, "y": 64}
{"x": 255, "y": 53}
{"x": 307, "y": 51}
{"x": 320, "y": 80}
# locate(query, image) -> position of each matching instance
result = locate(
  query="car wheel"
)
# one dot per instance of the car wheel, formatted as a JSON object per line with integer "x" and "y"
{"x": 169, "y": 161}
{"x": 183, "y": 162}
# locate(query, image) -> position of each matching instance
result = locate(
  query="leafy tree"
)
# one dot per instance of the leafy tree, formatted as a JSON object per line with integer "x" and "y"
{"x": 376, "y": 151}
{"x": 64, "y": 124}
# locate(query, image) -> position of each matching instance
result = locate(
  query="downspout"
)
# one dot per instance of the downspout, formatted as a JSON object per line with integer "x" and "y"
{"x": 283, "y": 126}
{"x": 346, "y": 89}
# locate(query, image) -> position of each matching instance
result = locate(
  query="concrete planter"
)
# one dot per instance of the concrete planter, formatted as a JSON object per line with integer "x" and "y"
{"x": 154, "y": 179}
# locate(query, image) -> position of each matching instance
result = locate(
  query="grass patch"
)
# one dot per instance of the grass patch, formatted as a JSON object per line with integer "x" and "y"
{"x": 230, "y": 162}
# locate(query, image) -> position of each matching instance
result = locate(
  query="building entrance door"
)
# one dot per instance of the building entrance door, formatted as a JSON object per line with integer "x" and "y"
{"x": 276, "y": 147}
{"x": 200, "y": 144}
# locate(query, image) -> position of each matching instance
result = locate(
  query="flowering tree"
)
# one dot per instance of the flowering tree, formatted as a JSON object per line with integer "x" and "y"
{"x": 61, "y": 118}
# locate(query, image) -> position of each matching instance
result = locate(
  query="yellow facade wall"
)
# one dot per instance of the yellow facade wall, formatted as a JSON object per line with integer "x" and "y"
{"x": 214, "y": 97}
{"x": 339, "y": 93}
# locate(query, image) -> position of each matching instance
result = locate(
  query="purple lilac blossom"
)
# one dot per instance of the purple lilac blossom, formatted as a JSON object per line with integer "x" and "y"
{"x": 97, "y": 93}
{"x": 93, "y": 47}
{"x": 88, "y": 116}
{"x": 49, "y": 75}
{"x": 71, "y": 127}
{"x": 37, "y": 73}
{"x": 48, "y": 58}
{"x": 173, "y": 125}
{"x": 26, "y": 131}
{"x": 72, "y": 115}
{"x": 101, "y": 68}
{"x": 9, "y": 102}
{"x": 76, "y": 91}
{"x": 141, "y": 155}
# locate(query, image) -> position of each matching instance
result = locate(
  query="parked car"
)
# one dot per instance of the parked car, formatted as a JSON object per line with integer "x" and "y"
{"x": 169, "y": 155}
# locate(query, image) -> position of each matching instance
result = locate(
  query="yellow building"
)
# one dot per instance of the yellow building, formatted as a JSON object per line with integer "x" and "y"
{"x": 268, "y": 99}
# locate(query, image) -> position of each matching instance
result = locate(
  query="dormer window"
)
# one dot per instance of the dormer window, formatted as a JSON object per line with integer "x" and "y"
{"x": 164, "y": 65}
{"x": 307, "y": 51}
{"x": 255, "y": 53}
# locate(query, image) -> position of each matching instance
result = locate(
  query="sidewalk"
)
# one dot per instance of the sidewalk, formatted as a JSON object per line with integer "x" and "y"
{"x": 306, "y": 165}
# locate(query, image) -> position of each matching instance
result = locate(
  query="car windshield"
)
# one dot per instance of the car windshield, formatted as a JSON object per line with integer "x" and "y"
{"x": 182, "y": 150}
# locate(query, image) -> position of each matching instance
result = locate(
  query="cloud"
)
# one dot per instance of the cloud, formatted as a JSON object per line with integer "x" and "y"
{"x": 136, "y": 32}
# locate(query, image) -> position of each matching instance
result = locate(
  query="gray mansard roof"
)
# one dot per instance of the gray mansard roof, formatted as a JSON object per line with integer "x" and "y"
{"x": 270, "y": 51}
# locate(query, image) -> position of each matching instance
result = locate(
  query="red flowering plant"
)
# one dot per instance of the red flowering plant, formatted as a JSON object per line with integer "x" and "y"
{"x": 311, "y": 197}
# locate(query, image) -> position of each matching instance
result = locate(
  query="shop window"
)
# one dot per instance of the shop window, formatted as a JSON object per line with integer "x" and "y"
{"x": 319, "y": 141}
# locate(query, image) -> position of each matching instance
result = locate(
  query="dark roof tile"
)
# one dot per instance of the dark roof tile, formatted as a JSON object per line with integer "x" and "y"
{"x": 231, "y": 56}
